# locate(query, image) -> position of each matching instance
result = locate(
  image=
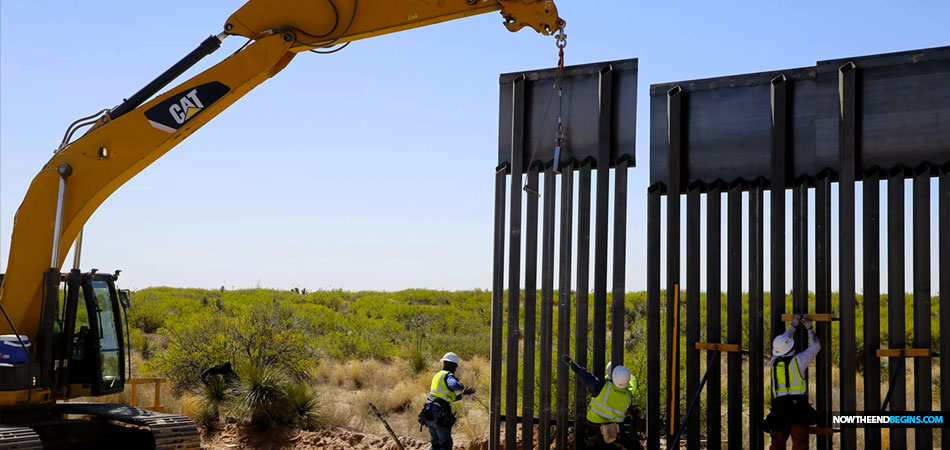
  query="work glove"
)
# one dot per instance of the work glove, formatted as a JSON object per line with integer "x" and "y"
{"x": 469, "y": 390}
{"x": 566, "y": 359}
{"x": 808, "y": 324}
{"x": 797, "y": 320}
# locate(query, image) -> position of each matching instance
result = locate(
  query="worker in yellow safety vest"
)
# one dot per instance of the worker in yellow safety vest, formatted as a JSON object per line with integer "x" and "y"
{"x": 437, "y": 412}
{"x": 609, "y": 403}
{"x": 791, "y": 414}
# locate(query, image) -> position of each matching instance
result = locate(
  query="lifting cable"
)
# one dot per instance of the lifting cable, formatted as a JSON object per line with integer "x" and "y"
{"x": 561, "y": 43}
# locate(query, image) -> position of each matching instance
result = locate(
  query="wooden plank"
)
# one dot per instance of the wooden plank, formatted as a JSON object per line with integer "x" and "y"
{"x": 904, "y": 353}
{"x": 726, "y": 348}
{"x": 814, "y": 317}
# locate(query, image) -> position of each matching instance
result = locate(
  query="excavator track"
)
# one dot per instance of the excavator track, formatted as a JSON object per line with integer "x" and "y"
{"x": 169, "y": 431}
{"x": 19, "y": 438}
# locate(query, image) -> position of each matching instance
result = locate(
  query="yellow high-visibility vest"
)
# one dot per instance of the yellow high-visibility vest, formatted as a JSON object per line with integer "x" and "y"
{"x": 787, "y": 379}
{"x": 440, "y": 388}
{"x": 610, "y": 406}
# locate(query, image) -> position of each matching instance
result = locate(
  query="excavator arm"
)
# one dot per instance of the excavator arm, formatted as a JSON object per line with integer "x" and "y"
{"x": 124, "y": 140}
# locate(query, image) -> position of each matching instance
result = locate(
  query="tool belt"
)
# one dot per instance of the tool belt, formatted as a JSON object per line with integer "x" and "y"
{"x": 788, "y": 411}
{"x": 444, "y": 417}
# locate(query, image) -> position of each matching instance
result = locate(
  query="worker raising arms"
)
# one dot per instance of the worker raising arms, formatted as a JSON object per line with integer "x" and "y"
{"x": 791, "y": 413}
{"x": 608, "y": 406}
{"x": 437, "y": 413}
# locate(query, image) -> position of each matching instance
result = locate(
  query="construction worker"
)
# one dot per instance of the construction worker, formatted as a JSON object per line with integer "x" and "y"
{"x": 437, "y": 413}
{"x": 632, "y": 426}
{"x": 609, "y": 403}
{"x": 791, "y": 414}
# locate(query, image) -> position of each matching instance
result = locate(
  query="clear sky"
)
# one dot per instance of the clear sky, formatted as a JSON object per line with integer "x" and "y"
{"x": 370, "y": 168}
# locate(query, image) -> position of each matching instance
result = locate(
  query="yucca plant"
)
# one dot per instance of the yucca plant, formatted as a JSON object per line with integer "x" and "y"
{"x": 303, "y": 408}
{"x": 261, "y": 395}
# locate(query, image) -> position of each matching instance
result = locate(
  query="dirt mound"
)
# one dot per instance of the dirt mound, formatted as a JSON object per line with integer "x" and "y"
{"x": 234, "y": 437}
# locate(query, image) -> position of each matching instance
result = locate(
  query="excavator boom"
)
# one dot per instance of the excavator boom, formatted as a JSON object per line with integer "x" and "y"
{"x": 124, "y": 140}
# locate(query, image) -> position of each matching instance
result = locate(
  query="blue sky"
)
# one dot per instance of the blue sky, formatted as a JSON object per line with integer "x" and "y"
{"x": 370, "y": 168}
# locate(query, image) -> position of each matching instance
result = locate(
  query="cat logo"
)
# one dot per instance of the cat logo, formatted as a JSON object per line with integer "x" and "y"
{"x": 173, "y": 113}
{"x": 190, "y": 105}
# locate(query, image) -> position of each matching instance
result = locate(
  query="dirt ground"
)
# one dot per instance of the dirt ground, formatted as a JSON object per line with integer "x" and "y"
{"x": 231, "y": 436}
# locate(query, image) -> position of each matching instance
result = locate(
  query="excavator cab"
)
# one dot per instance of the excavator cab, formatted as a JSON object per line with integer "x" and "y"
{"x": 94, "y": 351}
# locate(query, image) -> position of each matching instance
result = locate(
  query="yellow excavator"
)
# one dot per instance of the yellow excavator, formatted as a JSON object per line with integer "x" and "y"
{"x": 62, "y": 334}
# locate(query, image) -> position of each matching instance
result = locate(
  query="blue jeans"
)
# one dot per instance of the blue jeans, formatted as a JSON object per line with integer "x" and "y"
{"x": 439, "y": 436}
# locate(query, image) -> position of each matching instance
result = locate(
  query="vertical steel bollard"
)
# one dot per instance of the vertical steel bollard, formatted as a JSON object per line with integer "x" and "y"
{"x": 849, "y": 156}
{"x": 583, "y": 294}
{"x": 530, "y": 304}
{"x": 714, "y": 312}
{"x": 756, "y": 319}
{"x": 943, "y": 206}
{"x": 895, "y": 296}
{"x": 823, "y": 302}
{"x": 674, "y": 107}
{"x": 871, "y": 191}
{"x": 653, "y": 317}
{"x": 497, "y": 304}
{"x": 693, "y": 323}
{"x": 564, "y": 302}
{"x": 923, "y": 398}
{"x": 734, "y": 316}
{"x": 514, "y": 262}
{"x": 547, "y": 308}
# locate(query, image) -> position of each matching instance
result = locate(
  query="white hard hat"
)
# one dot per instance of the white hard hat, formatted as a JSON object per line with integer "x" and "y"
{"x": 450, "y": 357}
{"x": 782, "y": 345}
{"x": 620, "y": 376}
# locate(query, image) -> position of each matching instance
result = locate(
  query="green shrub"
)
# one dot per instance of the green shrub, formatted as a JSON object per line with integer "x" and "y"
{"x": 196, "y": 342}
{"x": 273, "y": 336}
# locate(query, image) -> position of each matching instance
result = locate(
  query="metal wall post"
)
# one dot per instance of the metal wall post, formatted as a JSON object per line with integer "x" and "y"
{"x": 756, "y": 319}
{"x": 497, "y": 305}
{"x": 823, "y": 302}
{"x": 654, "y": 416}
{"x": 871, "y": 191}
{"x": 734, "y": 315}
{"x": 583, "y": 292}
{"x": 530, "y": 304}
{"x": 779, "y": 168}
{"x": 895, "y": 296}
{"x": 693, "y": 322}
{"x": 674, "y": 117}
{"x": 714, "y": 313}
{"x": 849, "y": 156}
{"x": 923, "y": 398}
{"x": 547, "y": 308}
{"x": 514, "y": 262}
{"x": 943, "y": 202}
{"x": 600, "y": 231}
{"x": 618, "y": 309}
{"x": 564, "y": 302}
{"x": 800, "y": 256}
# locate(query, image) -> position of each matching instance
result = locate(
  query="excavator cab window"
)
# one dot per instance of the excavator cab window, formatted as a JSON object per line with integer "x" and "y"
{"x": 97, "y": 350}
{"x": 107, "y": 315}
